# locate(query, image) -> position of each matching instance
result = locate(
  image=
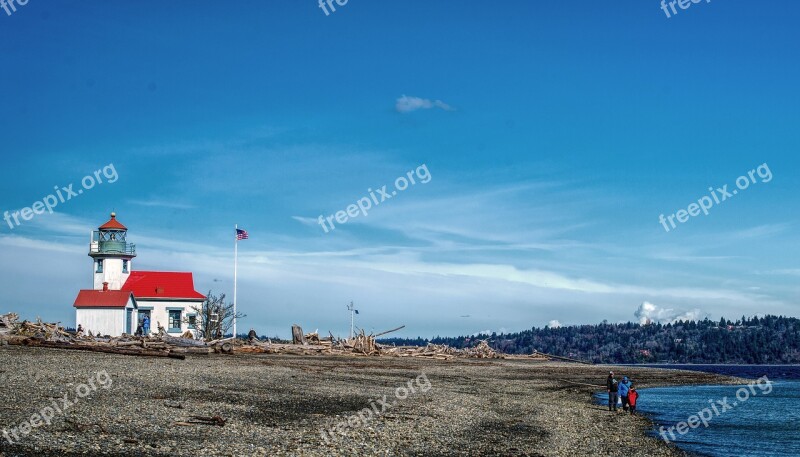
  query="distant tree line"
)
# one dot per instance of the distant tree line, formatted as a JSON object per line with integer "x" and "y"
{"x": 768, "y": 339}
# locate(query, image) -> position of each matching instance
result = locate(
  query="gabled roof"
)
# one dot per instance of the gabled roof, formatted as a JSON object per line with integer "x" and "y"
{"x": 161, "y": 284}
{"x": 103, "y": 299}
{"x": 113, "y": 224}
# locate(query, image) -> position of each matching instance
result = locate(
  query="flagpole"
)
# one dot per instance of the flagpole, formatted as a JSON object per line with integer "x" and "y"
{"x": 352, "y": 318}
{"x": 235, "y": 271}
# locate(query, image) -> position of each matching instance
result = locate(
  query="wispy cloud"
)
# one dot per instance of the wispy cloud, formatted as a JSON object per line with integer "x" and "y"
{"x": 161, "y": 203}
{"x": 310, "y": 221}
{"x": 784, "y": 272}
{"x": 406, "y": 104}
{"x": 762, "y": 231}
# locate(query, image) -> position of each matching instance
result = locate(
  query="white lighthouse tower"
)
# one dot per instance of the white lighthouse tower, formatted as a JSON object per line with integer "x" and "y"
{"x": 112, "y": 255}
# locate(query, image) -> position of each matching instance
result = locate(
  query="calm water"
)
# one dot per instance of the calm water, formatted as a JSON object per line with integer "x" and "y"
{"x": 760, "y": 422}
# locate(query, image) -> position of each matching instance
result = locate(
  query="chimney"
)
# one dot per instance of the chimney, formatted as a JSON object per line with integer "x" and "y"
{"x": 105, "y": 287}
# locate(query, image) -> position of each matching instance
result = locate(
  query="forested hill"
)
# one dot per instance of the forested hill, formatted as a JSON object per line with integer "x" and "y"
{"x": 768, "y": 339}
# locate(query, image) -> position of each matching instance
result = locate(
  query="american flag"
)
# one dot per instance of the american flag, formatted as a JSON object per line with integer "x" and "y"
{"x": 241, "y": 234}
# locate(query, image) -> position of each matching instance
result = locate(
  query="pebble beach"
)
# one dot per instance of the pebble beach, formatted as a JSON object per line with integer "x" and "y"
{"x": 316, "y": 406}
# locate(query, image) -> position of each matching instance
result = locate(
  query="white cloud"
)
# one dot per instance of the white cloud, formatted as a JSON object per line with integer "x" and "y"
{"x": 554, "y": 324}
{"x": 309, "y": 221}
{"x": 161, "y": 203}
{"x": 649, "y": 313}
{"x": 407, "y": 104}
{"x": 786, "y": 272}
{"x": 763, "y": 231}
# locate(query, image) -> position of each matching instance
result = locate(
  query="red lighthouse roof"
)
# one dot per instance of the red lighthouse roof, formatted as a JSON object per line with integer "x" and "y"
{"x": 112, "y": 224}
{"x": 161, "y": 284}
{"x": 103, "y": 299}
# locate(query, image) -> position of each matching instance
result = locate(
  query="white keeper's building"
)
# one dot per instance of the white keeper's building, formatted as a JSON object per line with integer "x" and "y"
{"x": 122, "y": 297}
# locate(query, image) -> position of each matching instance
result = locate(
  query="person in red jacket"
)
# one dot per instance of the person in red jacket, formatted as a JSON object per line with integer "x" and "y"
{"x": 633, "y": 395}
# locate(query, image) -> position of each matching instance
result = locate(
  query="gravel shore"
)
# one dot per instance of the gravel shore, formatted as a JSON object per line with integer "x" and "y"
{"x": 292, "y": 405}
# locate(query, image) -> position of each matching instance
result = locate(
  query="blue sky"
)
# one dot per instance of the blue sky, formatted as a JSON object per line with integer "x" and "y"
{"x": 562, "y": 131}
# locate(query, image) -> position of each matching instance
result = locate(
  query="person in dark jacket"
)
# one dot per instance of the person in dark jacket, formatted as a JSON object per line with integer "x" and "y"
{"x": 622, "y": 390}
{"x": 633, "y": 395}
{"x": 611, "y": 387}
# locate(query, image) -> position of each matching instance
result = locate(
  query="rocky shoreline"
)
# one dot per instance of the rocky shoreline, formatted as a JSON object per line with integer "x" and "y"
{"x": 317, "y": 406}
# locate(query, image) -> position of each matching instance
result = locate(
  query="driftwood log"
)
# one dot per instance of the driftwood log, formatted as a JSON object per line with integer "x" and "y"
{"x": 40, "y": 334}
{"x": 99, "y": 347}
{"x": 297, "y": 335}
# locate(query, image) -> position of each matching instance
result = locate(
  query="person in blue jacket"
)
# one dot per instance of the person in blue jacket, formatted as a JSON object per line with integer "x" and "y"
{"x": 146, "y": 325}
{"x": 622, "y": 390}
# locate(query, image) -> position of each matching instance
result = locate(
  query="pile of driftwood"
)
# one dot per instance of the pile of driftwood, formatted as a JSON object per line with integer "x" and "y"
{"x": 444, "y": 352}
{"x": 8, "y": 323}
{"x": 41, "y": 334}
{"x": 363, "y": 344}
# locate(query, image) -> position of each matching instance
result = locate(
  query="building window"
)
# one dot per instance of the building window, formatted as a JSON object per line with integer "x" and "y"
{"x": 192, "y": 318}
{"x": 124, "y": 266}
{"x": 174, "y": 320}
{"x": 99, "y": 266}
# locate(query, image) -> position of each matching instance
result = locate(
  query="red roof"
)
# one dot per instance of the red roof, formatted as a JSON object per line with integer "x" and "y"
{"x": 102, "y": 299}
{"x": 112, "y": 224}
{"x": 160, "y": 284}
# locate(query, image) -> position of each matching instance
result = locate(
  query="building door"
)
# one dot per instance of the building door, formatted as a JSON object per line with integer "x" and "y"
{"x": 128, "y": 320}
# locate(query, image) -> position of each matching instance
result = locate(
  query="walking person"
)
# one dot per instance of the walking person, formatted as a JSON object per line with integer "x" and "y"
{"x": 146, "y": 325}
{"x": 611, "y": 387}
{"x": 633, "y": 395}
{"x": 623, "y": 390}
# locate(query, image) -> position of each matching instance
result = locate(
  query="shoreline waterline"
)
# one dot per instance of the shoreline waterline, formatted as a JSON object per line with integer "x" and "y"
{"x": 746, "y": 418}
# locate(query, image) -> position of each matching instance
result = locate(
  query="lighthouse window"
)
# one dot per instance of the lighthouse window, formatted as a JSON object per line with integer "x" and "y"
{"x": 124, "y": 266}
{"x": 99, "y": 266}
{"x": 174, "y": 321}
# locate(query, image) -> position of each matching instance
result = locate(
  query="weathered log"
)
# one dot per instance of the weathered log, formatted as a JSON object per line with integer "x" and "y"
{"x": 389, "y": 331}
{"x": 297, "y": 335}
{"x": 155, "y": 345}
{"x": 182, "y": 342}
{"x": 201, "y": 351}
{"x": 33, "y": 342}
{"x": 216, "y": 342}
{"x": 127, "y": 343}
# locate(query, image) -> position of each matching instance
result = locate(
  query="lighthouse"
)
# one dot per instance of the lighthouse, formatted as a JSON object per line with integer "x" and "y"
{"x": 121, "y": 298}
{"x": 112, "y": 255}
